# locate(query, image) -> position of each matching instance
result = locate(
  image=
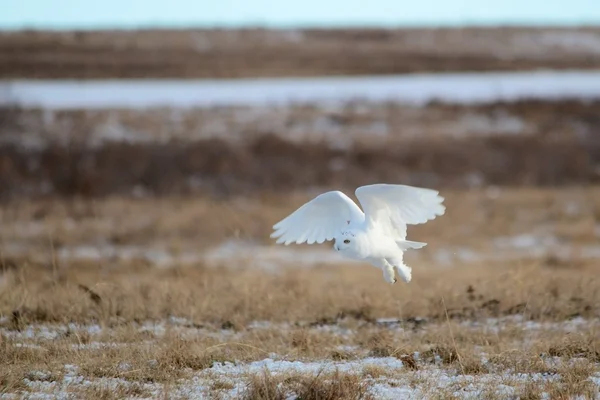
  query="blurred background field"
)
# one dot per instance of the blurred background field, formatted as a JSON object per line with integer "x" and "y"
{"x": 262, "y": 52}
{"x": 141, "y": 171}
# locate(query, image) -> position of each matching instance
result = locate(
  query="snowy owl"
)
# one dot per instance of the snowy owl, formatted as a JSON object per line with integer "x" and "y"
{"x": 377, "y": 236}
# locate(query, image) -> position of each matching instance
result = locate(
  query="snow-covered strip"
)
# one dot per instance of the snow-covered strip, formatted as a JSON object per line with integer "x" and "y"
{"x": 399, "y": 383}
{"x": 413, "y": 88}
{"x": 185, "y": 328}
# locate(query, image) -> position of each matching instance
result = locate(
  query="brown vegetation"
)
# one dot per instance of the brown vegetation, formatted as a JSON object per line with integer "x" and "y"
{"x": 231, "y": 297}
{"x": 132, "y": 329}
{"x": 474, "y": 219}
{"x": 321, "y": 387}
{"x": 485, "y": 314}
{"x": 312, "y": 52}
{"x": 440, "y": 145}
{"x": 218, "y": 168}
{"x": 353, "y": 123}
{"x": 161, "y": 328}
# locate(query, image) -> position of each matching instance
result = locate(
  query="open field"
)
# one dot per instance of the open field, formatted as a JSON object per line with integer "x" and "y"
{"x": 188, "y": 298}
{"x": 130, "y": 329}
{"x": 553, "y": 226}
{"x": 230, "y": 332}
{"x": 135, "y": 258}
{"x": 312, "y": 52}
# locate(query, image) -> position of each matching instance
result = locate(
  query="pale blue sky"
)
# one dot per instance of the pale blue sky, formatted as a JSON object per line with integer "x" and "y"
{"x": 18, "y": 14}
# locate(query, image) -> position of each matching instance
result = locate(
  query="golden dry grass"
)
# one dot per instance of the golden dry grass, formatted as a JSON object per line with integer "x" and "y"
{"x": 476, "y": 220}
{"x": 142, "y": 325}
{"x": 116, "y": 292}
{"x": 521, "y": 321}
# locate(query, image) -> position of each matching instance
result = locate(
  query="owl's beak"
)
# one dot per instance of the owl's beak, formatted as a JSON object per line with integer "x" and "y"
{"x": 336, "y": 248}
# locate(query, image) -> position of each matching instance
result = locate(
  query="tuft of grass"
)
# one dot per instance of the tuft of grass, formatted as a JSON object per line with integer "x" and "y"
{"x": 531, "y": 391}
{"x": 579, "y": 345}
{"x": 114, "y": 392}
{"x": 263, "y": 387}
{"x": 374, "y": 371}
{"x": 218, "y": 385}
{"x": 408, "y": 360}
{"x": 574, "y": 381}
{"x": 322, "y": 386}
{"x": 336, "y": 386}
{"x": 473, "y": 366}
{"x": 448, "y": 355}
{"x": 339, "y": 355}
{"x": 523, "y": 361}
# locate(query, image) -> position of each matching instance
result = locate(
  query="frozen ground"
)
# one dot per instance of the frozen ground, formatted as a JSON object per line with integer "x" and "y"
{"x": 231, "y": 376}
{"x": 415, "y": 89}
{"x": 385, "y": 377}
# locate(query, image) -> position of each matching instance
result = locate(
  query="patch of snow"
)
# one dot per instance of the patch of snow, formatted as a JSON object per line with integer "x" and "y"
{"x": 416, "y": 89}
{"x": 50, "y": 331}
{"x": 525, "y": 241}
{"x": 385, "y": 391}
{"x": 282, "y": 366}
{"x": 506, "y": 248}
{"x": 231, "y": 252}
{"x": 271, "y": 257}
{"x": 497, "y": 324}
{"x": 155, "y": 256}
{"x": 396, "y": 383}
{"x": 105, "y": 345}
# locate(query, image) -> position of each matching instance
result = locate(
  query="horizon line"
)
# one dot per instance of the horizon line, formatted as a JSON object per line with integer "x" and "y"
{"x": 302, "y": 25}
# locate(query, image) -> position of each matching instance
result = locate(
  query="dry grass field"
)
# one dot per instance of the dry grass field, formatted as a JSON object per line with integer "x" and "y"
{"x": 333, "y": 333}
{"x": 504, "y": 302}
{"x": 135, "y": 258}
{"x": 306, "y": 52}
{"x": 117, "y": 281}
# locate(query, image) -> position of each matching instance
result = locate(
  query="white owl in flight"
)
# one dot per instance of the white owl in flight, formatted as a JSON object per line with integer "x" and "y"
{"x": 377, "y": 236}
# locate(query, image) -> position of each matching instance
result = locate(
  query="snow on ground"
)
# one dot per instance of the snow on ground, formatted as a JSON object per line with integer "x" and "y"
{"x": 398, "y": 384}
{"x": 381, "y": 124}
{"x": 391, "y": 378}
{"x": 272, "y": 257}
{"x": 230, "y": 252}
{"x": 344, "y": 328}
{"x": 414, "y": 89}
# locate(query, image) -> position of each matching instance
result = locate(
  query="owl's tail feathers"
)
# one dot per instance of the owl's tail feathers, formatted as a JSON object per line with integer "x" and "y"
{"x": 407, "y": 244}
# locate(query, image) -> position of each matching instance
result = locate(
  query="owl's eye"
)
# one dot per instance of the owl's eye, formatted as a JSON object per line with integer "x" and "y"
{"x": 347, "y": 241}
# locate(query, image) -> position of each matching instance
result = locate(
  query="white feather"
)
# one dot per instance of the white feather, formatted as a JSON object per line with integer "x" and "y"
{"x": 392, "y": 207}
{"x": 377, "y": 236}
{"x": 318, "y": 220}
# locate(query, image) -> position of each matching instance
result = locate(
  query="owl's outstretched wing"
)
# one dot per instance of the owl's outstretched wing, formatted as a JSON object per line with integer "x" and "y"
{"x": 392, "y": 207}
{"x": 318, "y": 220}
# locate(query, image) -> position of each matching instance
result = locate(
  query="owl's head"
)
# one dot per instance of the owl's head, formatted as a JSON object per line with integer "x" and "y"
{"x": 344, "y": 241}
